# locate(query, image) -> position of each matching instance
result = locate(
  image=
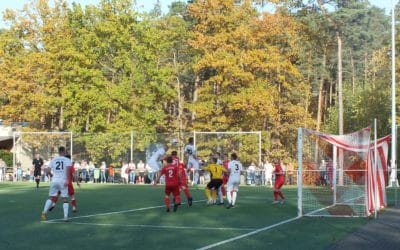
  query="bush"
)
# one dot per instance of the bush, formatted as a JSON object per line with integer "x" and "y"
{"x": 7, "y": 157}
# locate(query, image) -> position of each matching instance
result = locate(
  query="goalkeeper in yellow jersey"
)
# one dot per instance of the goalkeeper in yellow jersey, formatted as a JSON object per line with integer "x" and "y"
{"x": 216, "y": 173}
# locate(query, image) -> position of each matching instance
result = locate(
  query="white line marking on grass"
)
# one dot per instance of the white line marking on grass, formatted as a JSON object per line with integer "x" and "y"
{"x": 154, "y": 226}
{"x": 248, "y": 234}
{"x": 115, "y": 212}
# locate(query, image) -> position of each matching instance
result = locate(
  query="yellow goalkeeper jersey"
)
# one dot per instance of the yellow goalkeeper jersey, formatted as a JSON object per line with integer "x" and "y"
{"x": 215, "y": 170}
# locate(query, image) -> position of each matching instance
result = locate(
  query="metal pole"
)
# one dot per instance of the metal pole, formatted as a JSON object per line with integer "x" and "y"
{"x": 14, "y": 154}
{"x": 299, "y": 172}
{"x": 334, "y": 173}
{"x": 393, "y": 177}
{"x": 375, "y": 173}
{"x": 259, "y": 149}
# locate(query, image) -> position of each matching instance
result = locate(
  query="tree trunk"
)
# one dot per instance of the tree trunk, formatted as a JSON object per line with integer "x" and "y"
{"x": 180, "y": 106}
{"x": 353, "y": 72}
{"x": 321, "y": 92}
{"x": 61, "y": 119}
{"x": 196, "y": 84}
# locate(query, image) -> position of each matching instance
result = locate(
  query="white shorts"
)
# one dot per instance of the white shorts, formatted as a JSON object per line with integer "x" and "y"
{"x": 58, "y": 186}
{"x": 232, "y": 185}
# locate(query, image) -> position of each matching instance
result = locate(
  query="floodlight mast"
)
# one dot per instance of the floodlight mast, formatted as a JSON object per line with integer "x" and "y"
{"x": 393, "y": 163}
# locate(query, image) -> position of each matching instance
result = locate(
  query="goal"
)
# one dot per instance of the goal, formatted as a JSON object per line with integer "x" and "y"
{"x": 247, "y": 145}
{"x": 28, "y": 144}
{"x": 338, "y": 174}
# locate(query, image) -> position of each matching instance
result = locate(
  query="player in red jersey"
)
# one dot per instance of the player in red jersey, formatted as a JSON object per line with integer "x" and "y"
{"x": 225, "y": 176}
{"x": 71, "y": 191}
{"x": 172, "y": 179}
{"x": 183, "y": 181}
{"x": 279, "y": 180}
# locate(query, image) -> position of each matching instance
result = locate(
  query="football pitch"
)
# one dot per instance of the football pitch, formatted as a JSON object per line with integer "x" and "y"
{"x": 115, "y": 216}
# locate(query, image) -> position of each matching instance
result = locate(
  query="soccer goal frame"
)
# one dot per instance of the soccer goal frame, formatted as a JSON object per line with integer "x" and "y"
{"x": 355, "y": 176}
{"x": 257, "y": 133}
{"x": 18, "y": 134}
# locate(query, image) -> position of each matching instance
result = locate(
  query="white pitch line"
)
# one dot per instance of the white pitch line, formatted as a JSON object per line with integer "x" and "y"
{"x": 248, "y": 234}
{"x": 155, "y": 226}
{"x": 115, "y": 212}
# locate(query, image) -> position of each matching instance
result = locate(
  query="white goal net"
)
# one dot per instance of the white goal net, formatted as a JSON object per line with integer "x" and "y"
{"x": 332, "y": 173}
{"x": 28, "y": 144}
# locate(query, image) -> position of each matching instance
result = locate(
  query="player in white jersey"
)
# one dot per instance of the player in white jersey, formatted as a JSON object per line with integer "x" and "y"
{"x": 235, "y": 168}
{"x": 155, "y": 161}
{"x": 192, "y": 162}
{"x": 59, "y": 183}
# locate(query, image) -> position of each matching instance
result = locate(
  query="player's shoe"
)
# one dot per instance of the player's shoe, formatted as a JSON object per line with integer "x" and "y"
{"x": 74, "y": 209}
{"x": 275, "y": 202}
{"x": 229, "y": 206}
{"x": 209, "y": 203}
{"x": 176, "y": 206}
{"x": 66, "y": 219}
{"x": 51, "y": 208}
{"x": 220, "y": 203}
{"x": 282, "y": 201}
{"x": 167, "y": 210}
{"x": 190, "y": 201}
{"x": 43, "y": 217}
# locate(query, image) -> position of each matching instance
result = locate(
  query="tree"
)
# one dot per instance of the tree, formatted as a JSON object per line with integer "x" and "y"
{"x": 248, "y": 79}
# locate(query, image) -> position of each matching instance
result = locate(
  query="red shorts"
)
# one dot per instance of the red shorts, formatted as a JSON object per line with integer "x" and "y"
{"x": 71, "y": 190}
{"x": 183, "y": 183}
{"x": 172, "y": 189}
{"x": 279, "y": 183}
{"x": 224, "y": 179}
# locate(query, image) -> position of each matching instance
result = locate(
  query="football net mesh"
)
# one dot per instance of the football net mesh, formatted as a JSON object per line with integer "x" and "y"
{"x": 28, "y": 144}
{"x": 247, "y": 145}
{"x": 332, "y": 173}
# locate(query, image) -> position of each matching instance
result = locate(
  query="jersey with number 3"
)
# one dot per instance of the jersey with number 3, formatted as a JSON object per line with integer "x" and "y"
{"x": 59, "y": 167}
{"x": 235, "y": 167}
{"x": 171, "y": 174}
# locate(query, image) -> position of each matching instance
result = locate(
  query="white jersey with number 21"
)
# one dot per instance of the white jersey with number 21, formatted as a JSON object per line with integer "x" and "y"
{"x": 59, "y": 167}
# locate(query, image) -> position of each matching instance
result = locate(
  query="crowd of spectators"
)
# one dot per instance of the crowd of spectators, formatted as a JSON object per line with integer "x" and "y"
{"x": 140, "y": 173}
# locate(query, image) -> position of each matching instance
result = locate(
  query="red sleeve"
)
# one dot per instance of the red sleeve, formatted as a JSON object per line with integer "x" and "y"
{"x": 162, "y": 171}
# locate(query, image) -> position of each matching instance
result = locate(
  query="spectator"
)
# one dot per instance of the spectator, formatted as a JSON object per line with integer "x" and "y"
{"x": 150, "y": 173}
{"x": 132, "y": 172}
{"x": 91, "y": 171}
{"x": 84, "y": 171}
{"x": 111, "y": 174}
{"x": 251, "y": 170}
{"x": 28, "y": 174}
{"x": 19, "y": 171}
{"x": 96, "y": 175}
{"x": 141, "y": 168}
{"x": 103, "y": 172}
{"x": 124, "y": 173}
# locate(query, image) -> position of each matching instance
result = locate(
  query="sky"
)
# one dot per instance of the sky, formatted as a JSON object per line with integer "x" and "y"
{"x": 144, "y": 5}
